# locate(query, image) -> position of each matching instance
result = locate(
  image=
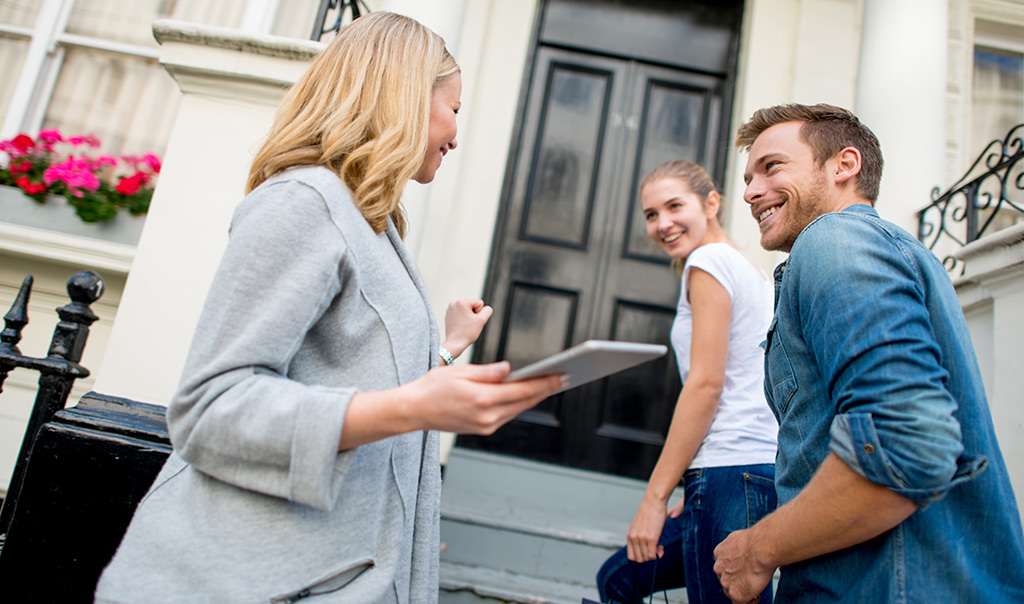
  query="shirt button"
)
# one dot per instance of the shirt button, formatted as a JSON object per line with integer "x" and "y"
{"x": 869, "y": 449}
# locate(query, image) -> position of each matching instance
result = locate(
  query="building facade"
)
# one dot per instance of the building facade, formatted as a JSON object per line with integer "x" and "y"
{"x": 566, "y": 103}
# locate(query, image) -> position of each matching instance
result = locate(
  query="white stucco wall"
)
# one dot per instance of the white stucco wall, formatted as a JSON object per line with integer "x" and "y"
{"x": 992, "y": 294}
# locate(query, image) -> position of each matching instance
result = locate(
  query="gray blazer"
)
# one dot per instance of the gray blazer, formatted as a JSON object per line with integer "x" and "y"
{"x": 256, "y": 504}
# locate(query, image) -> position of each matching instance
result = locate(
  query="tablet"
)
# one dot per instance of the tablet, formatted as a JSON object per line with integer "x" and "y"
{"x": 591, "y": 360}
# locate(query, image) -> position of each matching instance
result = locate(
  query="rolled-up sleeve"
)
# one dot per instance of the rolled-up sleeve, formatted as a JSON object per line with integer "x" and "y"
{"x": 895, "y": 421}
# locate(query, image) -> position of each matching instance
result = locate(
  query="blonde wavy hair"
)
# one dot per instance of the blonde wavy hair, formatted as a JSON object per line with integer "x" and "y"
{"x": 362, "y": 110}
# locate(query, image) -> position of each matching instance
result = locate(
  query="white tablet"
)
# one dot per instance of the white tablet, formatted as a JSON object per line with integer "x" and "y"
{"x": 591, "y": 360}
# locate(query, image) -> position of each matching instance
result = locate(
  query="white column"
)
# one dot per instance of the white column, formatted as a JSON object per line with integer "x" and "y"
{"x": 231, "y": 83}
{"x": 901, "y": 96}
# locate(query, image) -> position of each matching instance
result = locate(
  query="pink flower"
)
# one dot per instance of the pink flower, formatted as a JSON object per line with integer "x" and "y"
{"x": 152, "y": 161}
{"x": 76, "y": 173}
{"x": 50, "y": 136}
{"x": 87, "y": 139}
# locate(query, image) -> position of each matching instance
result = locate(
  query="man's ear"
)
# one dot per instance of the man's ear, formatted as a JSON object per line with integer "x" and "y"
{"x": 847, "y": 165}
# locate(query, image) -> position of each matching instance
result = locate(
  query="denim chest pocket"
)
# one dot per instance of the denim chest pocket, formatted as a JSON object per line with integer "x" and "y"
{"x": 781, "y": 380}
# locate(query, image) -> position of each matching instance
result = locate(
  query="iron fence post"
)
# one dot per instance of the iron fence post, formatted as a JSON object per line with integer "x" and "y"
{"x": 58, "y": 370}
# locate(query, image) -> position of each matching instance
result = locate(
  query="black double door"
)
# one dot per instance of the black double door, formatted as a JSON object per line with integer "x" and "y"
{"x": 572, "y": 260}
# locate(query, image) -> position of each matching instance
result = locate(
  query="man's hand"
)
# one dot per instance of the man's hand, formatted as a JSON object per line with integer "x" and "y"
{"x": 742, "y": 577}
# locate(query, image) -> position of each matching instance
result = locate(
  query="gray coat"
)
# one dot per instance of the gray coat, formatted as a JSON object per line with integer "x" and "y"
{"x": 308, "y": 306}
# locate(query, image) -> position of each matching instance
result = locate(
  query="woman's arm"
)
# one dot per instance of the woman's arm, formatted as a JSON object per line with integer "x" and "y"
{"x": 465, "y": 399}
{"x": 695, "y": 409}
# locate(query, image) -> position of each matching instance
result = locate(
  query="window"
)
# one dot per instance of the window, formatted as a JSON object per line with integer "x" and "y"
{"x": 997, "y": 91}
{"x": 997, "y": 105}
{"x": 91, "y": 66}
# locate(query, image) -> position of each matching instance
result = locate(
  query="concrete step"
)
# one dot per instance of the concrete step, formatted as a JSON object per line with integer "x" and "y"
{"x": 466, "y": 584}
{"x": 520, "y": 531}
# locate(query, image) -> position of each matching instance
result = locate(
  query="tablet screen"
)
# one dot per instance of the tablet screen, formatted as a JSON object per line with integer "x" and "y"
{"x": 591, "y": 360}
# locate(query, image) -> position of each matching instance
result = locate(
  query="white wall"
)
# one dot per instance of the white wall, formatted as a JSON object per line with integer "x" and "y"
{"x": 992, "y": 294}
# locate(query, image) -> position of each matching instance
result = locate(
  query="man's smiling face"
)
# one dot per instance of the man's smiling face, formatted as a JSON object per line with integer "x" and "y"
{"x": 786, "y": 188}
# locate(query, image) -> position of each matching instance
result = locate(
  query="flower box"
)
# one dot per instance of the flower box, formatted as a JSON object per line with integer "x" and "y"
{"x": 56, "y": 214}
{"x": 54, "y": 173}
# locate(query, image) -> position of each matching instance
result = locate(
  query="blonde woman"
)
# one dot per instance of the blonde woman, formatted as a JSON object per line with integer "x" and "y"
{"x": 722, "y": 439}
{"x": 305, "y": 459}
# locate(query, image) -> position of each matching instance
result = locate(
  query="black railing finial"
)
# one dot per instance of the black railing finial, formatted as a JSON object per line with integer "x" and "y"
{"x": 14, "y": 321}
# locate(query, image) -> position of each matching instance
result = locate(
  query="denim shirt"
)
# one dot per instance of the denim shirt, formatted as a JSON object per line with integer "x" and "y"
{"x": 869, "y": 357}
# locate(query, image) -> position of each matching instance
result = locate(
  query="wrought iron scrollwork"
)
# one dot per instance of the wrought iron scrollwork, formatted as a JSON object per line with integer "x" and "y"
{"x": 990, "y": 192}
{"x": 355, "y": 9}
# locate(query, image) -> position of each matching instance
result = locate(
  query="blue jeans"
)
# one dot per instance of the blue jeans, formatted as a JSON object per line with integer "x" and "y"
{"x": 624, "y": 582}
{"x": 719, "y": 501}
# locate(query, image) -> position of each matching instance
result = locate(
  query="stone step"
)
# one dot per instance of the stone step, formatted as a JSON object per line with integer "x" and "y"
{"x": 522, "y": 531}
{"x": 466, "y": 584}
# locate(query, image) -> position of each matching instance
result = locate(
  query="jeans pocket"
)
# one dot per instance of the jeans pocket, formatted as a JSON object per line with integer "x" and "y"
{"x": 693, "y": 489}
{"x": 759, "y": 492}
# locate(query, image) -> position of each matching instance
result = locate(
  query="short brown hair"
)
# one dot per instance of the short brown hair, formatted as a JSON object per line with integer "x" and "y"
{"x": 827, "y": 130}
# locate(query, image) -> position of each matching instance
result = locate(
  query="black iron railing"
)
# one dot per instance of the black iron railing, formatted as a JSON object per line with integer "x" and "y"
{"x": 58, "y": 370}
{"x": 988, "y": 197}
{"x": 333, "y": 13}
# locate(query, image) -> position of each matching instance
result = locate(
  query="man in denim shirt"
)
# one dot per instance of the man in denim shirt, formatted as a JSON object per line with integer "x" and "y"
{"x": 891, "y": 484}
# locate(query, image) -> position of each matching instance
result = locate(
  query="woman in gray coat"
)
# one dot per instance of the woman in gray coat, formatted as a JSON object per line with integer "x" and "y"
{"x": 305, "y": 460}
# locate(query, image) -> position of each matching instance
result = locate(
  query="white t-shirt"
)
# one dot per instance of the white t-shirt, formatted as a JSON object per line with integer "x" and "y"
{"x": 744, "y": 430}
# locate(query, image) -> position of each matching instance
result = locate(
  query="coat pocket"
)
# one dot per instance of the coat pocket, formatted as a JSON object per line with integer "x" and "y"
{"x": 331, "y": 583}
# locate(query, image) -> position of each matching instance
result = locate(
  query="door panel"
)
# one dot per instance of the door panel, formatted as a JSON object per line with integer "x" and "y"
{"x": 560, "y": 195}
